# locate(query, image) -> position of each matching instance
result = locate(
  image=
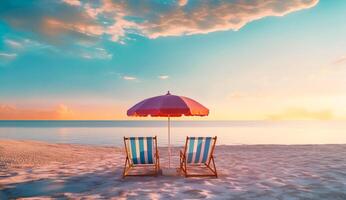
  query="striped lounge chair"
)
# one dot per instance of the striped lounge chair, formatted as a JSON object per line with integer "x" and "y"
{"x": 198, "y": 152}
{"x": 141, "y": 152}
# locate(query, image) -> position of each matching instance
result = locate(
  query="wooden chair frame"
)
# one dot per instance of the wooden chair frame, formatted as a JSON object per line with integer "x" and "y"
{"x": 210, "y": 165}
{"x": 128, "y": 165}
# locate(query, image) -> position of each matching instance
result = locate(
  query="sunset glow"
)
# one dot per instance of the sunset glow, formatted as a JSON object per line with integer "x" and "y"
{"x": 249, "y": 61}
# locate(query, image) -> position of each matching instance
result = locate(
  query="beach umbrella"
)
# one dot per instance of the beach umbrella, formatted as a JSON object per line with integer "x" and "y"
{"x": 168, "y": 106}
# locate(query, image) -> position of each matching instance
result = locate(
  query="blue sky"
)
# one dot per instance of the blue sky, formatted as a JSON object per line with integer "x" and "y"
{"x": 92, "y": 60}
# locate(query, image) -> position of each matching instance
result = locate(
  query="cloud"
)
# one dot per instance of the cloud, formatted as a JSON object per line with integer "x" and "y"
{"x": 340, "y": 60}
{"x": 302, "y": 114}
{"x": 206, "y": 16}
{"x": 96, "y": 53}
{"x": 64, "y": 28}
{"x": 10, "y": 112}
{"x": 163, "y": 77}
{"x": 155, "y": 19}
{"x": 17, "y": 46}
{"x": 64, "y": 112}
{"x": 182, "y": 2}
{"x": 51, "y": 22}
{"x": 13, "y": 44}
{"x": 21, "y": 44}
{"x": 72, "y": 2}
{"x": 129, "y": 78}
{"x": 8, "y": 56}
{"x": 72, "y": 20}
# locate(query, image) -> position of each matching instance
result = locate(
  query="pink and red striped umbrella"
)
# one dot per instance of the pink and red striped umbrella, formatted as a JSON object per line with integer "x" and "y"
{"x": 168, "y": 106}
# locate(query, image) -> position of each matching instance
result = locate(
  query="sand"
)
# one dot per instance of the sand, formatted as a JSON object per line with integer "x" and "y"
{"x": 31, "y": 170}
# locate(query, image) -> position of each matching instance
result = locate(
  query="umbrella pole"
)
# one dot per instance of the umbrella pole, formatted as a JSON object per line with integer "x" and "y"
{"x": 169, "y": 142}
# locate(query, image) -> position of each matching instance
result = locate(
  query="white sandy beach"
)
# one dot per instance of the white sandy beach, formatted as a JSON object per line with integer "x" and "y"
{"x": 43, "y": 170}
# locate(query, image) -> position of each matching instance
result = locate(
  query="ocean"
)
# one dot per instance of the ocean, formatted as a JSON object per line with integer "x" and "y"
{"x": 111, "y": 133}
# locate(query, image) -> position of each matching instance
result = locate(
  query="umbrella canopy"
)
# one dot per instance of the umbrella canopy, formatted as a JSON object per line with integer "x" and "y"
{"x": 168, "y": 106}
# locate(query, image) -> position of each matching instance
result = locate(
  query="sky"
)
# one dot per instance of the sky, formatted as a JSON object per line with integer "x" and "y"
{"x": 244, "y": 60}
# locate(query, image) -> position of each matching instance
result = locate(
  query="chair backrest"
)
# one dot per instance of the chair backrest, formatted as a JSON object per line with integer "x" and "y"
{"x": 141, "y": 150}
{"x": 199, "y": 149}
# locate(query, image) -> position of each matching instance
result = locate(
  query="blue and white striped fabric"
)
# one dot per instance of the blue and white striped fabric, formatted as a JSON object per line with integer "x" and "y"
{"x": 199, "y": 149}
{"x": 140, "y": 150}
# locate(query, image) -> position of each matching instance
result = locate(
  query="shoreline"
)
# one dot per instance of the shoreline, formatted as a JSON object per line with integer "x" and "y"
{"x": 176, "y": 146}
{"x": 49, "y": 170}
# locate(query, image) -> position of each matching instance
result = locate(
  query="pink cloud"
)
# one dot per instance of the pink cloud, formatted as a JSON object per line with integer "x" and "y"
{"x": 203, "y": 18}
{"x": 52, "y": 26}
{"x": 118, "y": 18}
{"x": 72, "y": 2}
{"x": 182, "y": 2}
{"x": 340, "y": 60}
{"x": 10, "y": 112}
{"x": 62, "y": 112}
{"x": 228, "y": 15}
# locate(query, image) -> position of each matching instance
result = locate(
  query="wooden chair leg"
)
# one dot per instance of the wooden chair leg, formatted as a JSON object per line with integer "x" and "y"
{"x": 158, "y": 162}
{"x": 183, "y": 164}
{"x": 157, "y": 166}
{"x": 213, "y": 168}
{"x": 125, "y": 167}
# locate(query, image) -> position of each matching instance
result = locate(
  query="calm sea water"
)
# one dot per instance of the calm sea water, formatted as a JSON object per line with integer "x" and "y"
{"x": 228, "y": 132}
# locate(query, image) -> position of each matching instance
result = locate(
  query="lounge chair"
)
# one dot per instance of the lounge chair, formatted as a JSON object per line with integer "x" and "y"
{"x": 198, "y": 153}
{"x": 141, "y": 152}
